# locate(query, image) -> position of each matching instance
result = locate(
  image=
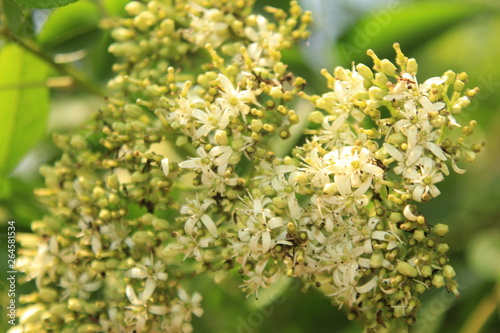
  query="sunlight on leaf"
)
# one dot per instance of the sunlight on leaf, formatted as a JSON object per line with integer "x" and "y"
{"x": 25, "y": 104}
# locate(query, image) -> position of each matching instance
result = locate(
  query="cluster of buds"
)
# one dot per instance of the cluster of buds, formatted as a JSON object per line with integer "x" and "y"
{"x": 178, "y": 165}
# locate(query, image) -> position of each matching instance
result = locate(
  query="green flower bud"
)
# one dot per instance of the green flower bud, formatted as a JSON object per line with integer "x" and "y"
{"x": 419, "y": 235}
{"x": 442, "y": 248}
{"x": 77, "y": 305}
{"x": 449, "y": 272}
{"x": 438, "y": 281}
{"x": 412, "y": 66}
{"x": 160, "y": 224}
{"x": 365, "y": 72}
{"x": 376, "y": 93}
{"x": 377, "y": 259}
{"x": 406, "y": 269}
{"x": 426, "y": 271}
{"x": 48, "y": 295}
{"x": 133, "y": 110}
{"x": 388, "y": 67}
{"x": 221, "y": 138}
{"x": 143, "y": 237}
{"x": 441, "y": 229}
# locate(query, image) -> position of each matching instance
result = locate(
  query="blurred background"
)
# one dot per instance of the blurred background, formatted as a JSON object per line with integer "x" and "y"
{"x": 441, "y": 35}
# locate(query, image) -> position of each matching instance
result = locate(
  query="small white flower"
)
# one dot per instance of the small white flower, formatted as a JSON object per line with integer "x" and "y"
{"x": 423, "y": 181}
{"x": 196, "y": 211}
{"x": 149, "y": 270}
{"x": 139, "y": 309}
{"x": 80, "y": 286}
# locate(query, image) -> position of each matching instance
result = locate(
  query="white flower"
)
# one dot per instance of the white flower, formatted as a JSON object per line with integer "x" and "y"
{"x": 259, "y": 224}
{"x": 209, "y": 28}
{"x": 117, "y": 233}
{"x": 406, "y": 161}
{"x": 196, "y": 211}
{"x": 349, "y": 164}
{"x": 257, "y": 279}
{"x": 138, "y": 315}
{"x": 232, "y": 100}
{"x": 80, "y": 286}
{"x": 423, "y": 181}
{"x": 186, "y": 306}
{"x": 149, "y": 270}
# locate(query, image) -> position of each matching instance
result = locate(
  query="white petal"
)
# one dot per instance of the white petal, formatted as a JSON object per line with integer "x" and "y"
{"x": 380, "y": 235}
{"x": 395, "y": 153}
{"x": 367, "y": 286}
{"x": 434, "y": 191}
{"x": 194, "y": 163}
{"x": 136, "y": 273}
{"x": 373, "y": 169}
{"x": 436, "y": 150}
{"x": 418, "y": 192}
{"x": 456, "y": 168}
{"x": 412, "y": 136}
{"x": 209, "y": 224}
{"x": 226, "y": 84}
{"x": 159, "y": 310}
{"x": 414, "y": 155}
{"x": 165, "y": 166}
{"x": 92, "y": 286}
{"x": 266, "y": 241}
{"x": 343, "y": 184}
{"x": 148, "y": 290}
{"x": 408, "y": 214}
{"x": 130, "y": 292}
{"x": 319, "y": 236}
{"x": 189, "y": 226}
{"x": 275, "y": 222}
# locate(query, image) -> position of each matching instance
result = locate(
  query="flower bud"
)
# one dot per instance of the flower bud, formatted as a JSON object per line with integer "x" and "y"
{"x": 406, "y": 269}
{"x": 221, "y": 137}
{"x": 449, "y": 272}
{"x": 441, "y": 229}
{"x": 412, "y": 66}
{"x": 438, "y": 281}
{"x": 365, "y": 72}
{"x": 377, "y": 259}
{"x": 388, "y": 67}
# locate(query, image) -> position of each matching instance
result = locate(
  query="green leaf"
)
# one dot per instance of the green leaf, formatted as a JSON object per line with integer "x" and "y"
{"x": 13, "y": 14}
{"x": 410, "y": 25}
{"x": 483, "y": 252}
{"x": 71, "y": 28}
{"x": 44, "y": 3}
{"x": 115, "y": 7}
{"x": 25, "y": 104}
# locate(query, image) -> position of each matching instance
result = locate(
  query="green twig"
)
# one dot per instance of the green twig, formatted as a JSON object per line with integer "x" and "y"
{"x": 65, "y": 69}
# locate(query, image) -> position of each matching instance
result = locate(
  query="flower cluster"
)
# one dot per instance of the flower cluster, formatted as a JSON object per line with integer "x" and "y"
{"x": 179, "y": 165}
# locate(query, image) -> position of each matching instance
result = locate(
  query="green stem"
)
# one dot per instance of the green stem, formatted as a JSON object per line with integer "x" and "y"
{"x": 65, "y": 69}
{"x": 482, "y": 312}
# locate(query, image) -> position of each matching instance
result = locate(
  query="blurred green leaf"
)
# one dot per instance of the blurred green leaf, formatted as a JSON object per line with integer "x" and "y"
{"x": 44, "y": 3}
{"x": 12, "y": 14}
{"x": 115, "y": 7}
{"x": 411, "y": 25}
{"x": 483, "y": 253}
{"x": 25, "y": 104}
{"x": 71, "y": 28}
